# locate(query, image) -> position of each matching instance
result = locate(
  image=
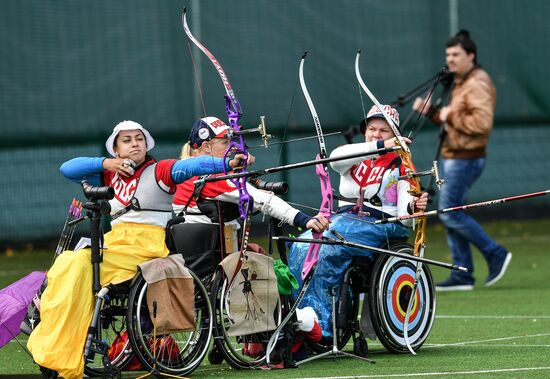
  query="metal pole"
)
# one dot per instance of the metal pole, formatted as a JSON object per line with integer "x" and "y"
{"x": 197, "y": 56}
{"x": 453, "y": 17}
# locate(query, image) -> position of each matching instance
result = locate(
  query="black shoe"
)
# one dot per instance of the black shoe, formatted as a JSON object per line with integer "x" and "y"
{"x": 497, "y": 268}
{"x": 455, "y": 284}
{"x": 48, "y": 373}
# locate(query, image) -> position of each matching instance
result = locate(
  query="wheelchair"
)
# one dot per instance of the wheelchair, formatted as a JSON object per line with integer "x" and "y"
{"x": 122, "y": 332}
{"x": 203, "y": 248}
{"x": 385, "y": 283}
{"x": 126, "y": 330}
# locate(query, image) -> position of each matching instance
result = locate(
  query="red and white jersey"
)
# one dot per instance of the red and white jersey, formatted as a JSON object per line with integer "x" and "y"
{"x": 376, "y": 176}
{"x": 225, "y": 191}
{"x": 152, "y": 185}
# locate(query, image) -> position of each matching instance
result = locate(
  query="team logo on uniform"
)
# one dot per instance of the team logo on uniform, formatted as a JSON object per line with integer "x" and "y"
{"x": 123, "y": 191}
{"x": 203, "y": 133}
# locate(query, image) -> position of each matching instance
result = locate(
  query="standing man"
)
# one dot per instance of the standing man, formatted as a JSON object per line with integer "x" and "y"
{"x": 468, "y": 120}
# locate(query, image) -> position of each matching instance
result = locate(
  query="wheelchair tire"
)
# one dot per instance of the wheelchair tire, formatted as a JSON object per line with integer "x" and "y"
{"x": 391, "y": 284}
{"x": 181, "y": 352}
{"x": 113, "y": 322}
{"x": 241, "y": 352}
{"x": 215, "y": 356}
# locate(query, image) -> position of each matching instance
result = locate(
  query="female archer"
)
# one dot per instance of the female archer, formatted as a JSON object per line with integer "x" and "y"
{"x": 370, "y": 190}
{"x": 208, "y": 138}
{"x": 140, "y": 210}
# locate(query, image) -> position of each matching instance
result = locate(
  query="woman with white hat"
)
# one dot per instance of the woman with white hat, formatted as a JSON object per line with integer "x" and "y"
{"x": 372, "y": 190}
{"x": 140, "y": 210}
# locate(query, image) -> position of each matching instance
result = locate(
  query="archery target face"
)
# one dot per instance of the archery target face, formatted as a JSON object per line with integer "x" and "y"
{"x": 395, "y": 284}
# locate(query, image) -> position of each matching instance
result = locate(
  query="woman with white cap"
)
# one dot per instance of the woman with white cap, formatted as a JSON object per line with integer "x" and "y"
{"x": 371, "y": 190}
{"x": 216, "y": 203}
{"x": 140, "y": 210}
{"x": 208, "y": 138}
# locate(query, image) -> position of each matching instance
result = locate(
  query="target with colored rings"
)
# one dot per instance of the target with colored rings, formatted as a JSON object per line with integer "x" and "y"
{"x": 392, "y": 281}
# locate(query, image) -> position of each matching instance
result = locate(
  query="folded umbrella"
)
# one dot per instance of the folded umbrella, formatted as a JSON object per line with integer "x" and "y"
{"x": 14, "y": 300}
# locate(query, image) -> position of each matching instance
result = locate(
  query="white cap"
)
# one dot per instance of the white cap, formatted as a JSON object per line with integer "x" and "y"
{"x": 128, "y": 125}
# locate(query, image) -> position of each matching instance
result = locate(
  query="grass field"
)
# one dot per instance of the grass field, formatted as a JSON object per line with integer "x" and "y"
{"x": 497, "y": 332}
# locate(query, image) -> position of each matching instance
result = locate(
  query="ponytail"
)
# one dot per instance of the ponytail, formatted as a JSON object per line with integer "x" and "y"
{"x": 187, "y": 151}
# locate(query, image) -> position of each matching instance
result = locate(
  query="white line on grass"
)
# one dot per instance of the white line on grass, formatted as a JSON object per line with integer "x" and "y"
{"x": 489, "y": 340}
{"x": 434, "y": 373}
{"x": 494, "y": 317}
{"x": 514, "y": 345}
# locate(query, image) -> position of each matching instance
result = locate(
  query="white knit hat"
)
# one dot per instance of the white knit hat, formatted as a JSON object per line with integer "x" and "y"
{"x": 128, "y": 125}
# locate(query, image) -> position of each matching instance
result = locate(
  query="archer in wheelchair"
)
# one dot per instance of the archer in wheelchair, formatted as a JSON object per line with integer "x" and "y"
{"x": 215, "y": 203}
{"x": 142, "y": 189}
{"x": 207, "y": 234}
{"x": 370, "y": 190}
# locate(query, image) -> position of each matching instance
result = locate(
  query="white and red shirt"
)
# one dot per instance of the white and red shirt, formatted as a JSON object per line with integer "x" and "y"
{"x": 161, "y": 188}
{"x": 225, "y": 191}
{"x": 376, "y": 177}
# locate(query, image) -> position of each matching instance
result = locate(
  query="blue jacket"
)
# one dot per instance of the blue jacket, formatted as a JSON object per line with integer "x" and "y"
{"x": 80, "y": 168}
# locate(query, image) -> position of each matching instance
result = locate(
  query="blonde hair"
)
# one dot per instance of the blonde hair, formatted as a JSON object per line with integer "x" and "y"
{"x": 188, "y": 152}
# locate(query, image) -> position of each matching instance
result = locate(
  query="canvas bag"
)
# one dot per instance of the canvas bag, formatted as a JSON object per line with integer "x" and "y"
{"x": 171, "y": 286}
{"x": 253, "y": 295}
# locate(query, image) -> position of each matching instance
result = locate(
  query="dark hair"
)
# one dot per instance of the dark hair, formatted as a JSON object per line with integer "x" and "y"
{"x": 463, "y": 39}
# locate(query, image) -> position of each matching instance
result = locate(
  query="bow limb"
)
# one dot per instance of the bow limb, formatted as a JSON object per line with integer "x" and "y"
{"x": 322, "y": 172}
{"x": 415, "y": 190}
{"x": 235, "y": 105}
{"x": 237, "y": 144}
{"x": 404, "y": 154}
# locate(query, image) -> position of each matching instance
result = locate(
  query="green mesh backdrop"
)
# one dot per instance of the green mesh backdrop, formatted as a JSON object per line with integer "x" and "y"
{"x": 70, "y": 71}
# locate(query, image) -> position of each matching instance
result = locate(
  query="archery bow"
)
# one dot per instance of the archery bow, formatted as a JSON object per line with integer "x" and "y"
{"x": 415, "y": 190}
{"x": 322, "y": 172}
{"x": 234, "y": 113}
{"x": 326, "y": 210}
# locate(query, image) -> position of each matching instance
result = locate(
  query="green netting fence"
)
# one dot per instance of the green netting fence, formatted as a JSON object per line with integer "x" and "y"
{"x": 70, "y": 71}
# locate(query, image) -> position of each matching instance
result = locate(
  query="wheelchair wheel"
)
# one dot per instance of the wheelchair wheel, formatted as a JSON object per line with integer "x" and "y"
{"x": 392, "y": 280}
{"x": 176, "y": 353}
{"x": 112, "y": 326}
{"x": 241, "y": 352}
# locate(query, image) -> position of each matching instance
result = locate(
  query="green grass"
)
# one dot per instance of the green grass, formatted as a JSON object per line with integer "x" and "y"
{"x": 497, "y": 332}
